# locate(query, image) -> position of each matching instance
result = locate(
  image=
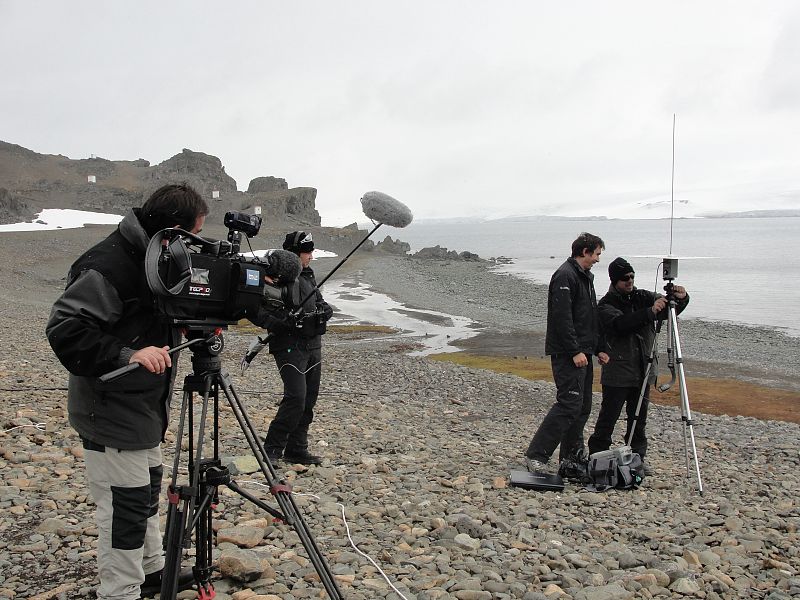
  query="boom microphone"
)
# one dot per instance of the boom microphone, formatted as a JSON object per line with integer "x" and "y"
{"x": 384, "y": 209}
{"x": 379, "y": 207}
{"x": 283, "y": 266}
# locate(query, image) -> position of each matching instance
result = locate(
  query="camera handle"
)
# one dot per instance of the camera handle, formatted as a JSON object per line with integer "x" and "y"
{"x": 117, "y": 373}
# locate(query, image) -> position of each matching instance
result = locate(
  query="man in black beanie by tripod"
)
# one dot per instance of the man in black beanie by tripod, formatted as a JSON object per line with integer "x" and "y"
{"x": 628, "y": 316}
{"x": 297, "y": 347}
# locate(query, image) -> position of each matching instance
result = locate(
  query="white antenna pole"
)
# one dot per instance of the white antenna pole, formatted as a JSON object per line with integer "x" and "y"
{"x": 672, "y": 191}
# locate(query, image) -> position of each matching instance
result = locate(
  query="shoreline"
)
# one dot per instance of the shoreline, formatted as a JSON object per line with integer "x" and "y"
{"x": 511, "y": 313}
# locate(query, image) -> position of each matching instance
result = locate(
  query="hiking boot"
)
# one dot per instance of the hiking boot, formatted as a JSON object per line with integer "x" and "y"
{"x": 152, "y": 582}
{"x": 303, "y": 457}
{"x": 537, "y": 466}
{"x": 648, "y": 471}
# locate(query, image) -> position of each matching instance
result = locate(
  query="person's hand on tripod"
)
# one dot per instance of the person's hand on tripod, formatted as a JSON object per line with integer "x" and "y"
{"x": 679, "y": 291}
{"x": 603, "y": 358}
{"x": 659, "y": 305}
{"x": 154, "y": 359}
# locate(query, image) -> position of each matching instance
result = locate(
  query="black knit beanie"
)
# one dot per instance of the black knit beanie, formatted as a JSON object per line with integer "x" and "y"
{"x": 618, "y": 268}
{"x": 298, "y": 241}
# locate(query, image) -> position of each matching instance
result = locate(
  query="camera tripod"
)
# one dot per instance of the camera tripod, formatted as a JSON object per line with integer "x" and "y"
{"x": 674, "y": 359}
{"x": 190, "y": 505}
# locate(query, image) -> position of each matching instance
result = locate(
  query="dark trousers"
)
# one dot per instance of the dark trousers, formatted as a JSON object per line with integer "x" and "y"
{"x": 300, "y": 371}
{"x": 566, "y": 419}
{"x": 613, "y": 400}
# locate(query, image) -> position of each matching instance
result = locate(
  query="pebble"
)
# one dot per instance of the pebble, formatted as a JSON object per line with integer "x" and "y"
{"x": 418, "y": 453}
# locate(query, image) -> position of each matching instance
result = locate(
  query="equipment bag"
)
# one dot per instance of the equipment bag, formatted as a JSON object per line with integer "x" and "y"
{"x": 618, "y": 468}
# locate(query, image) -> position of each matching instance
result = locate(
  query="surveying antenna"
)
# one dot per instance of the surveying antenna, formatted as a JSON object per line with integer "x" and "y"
{"x": 674, "y": 353}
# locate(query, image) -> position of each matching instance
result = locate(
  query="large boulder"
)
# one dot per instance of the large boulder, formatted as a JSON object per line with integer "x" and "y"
{"x": 13, "y": 209}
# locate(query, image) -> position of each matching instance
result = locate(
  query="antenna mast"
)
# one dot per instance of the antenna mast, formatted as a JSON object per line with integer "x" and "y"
{"x": 672, "y": 188}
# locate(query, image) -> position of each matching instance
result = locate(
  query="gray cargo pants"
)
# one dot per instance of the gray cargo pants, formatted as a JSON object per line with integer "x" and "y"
{"x": 125, "y": 485}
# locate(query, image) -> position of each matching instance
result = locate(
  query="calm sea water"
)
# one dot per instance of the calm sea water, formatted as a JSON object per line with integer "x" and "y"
{"x": 748, "y": 274}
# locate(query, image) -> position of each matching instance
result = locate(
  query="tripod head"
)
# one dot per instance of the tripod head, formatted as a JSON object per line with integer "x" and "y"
{"x": 205, "y": 341}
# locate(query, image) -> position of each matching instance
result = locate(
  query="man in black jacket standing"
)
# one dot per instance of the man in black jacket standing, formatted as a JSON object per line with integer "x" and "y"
{"x": 572, "y": 339}
{"x": 296, "y": 344}
{"x": 628, "y": 316}
{"x": 106, "y": 319}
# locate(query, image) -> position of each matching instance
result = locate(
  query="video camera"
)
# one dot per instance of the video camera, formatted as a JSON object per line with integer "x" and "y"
{"x": 194, "y": 278}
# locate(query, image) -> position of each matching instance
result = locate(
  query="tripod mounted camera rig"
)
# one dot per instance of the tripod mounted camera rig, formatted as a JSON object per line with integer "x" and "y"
{"x": 191, "y": 503}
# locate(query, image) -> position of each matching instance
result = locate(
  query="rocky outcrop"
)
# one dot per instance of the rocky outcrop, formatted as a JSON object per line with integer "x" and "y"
{"x": 261, "y": 185}
{"x": 391, "y": 246}
{"x": 439, "y": 253}
{"x": 202, "y": 171}
{"x": 99, "y": 184}
{"x": 280, "y": 205}
{"x": 12, "y": 209}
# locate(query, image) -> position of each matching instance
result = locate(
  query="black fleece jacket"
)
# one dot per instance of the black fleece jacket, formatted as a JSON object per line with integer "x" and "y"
{"x": 572, "y": 325}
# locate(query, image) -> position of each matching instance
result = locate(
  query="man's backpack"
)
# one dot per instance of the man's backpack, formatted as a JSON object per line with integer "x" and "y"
{"x": 619, "y": 468}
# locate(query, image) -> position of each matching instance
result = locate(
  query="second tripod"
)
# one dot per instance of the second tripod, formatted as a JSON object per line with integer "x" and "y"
{"x": 675, "y": 365}
{"x": 190, "y": 504}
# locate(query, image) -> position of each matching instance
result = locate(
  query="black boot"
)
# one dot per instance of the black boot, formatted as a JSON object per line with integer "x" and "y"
{"x": 152, "y": 582}
{"x": 273, "y": 454}
{"x": 302, "y": 456}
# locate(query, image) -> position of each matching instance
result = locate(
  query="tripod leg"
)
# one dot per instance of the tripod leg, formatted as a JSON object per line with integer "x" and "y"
{"x": 281, "y": 491}
{"x": 686, "y": 412}
{"x": 647, "y": 370}
{"x": 173, "y": 547}
{"x": 176, "y": 516}
{"x": 187, "y": 506}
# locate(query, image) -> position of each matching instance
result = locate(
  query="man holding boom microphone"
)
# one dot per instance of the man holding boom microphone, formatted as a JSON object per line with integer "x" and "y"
{"x": 573, "y": 337}
{"x": 296, "y": 342}
{"x": 105, "y": 319}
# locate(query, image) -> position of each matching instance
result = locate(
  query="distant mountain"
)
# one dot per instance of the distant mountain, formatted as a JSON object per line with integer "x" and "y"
{"x": 30, "y": 182}
{"x": 753, "y": 214}
{"x": 530, "y": 218}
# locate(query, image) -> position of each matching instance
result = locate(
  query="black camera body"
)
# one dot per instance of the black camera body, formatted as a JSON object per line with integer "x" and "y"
{"x": 227, "y": 287}
{"x": 194, "y": 278}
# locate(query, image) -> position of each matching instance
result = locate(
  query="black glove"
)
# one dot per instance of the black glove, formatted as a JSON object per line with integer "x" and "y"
{"x": 292, "y": 321}
{"x": 324, "y": 309}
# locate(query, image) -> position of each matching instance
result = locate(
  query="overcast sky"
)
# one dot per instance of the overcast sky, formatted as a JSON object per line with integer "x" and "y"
{"x": 456, "y": 108}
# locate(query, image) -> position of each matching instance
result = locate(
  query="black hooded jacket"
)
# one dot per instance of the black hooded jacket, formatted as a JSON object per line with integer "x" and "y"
{"x": 299, "y": 334}
{"x": 105, "y": 314}
{"x": 628, "y": 325}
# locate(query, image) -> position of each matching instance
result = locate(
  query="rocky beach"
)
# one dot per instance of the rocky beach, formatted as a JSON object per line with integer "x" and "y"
{"x": 417, "y": 454}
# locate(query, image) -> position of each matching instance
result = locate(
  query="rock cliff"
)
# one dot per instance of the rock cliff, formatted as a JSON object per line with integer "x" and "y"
{"x": 35, "y": 181}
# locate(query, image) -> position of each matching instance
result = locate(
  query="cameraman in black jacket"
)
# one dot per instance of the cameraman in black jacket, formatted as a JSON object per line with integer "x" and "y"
{"x": 106, "y": 319}
{"x": 628, "y": 316}
{"x": 296, "y": 344}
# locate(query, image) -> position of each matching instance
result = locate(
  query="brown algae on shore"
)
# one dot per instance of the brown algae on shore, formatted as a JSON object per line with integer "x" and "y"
{"x": 707, "y": 395}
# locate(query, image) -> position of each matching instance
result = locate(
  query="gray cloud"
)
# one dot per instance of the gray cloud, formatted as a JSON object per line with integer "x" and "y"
{"x": 456, "y": 108}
